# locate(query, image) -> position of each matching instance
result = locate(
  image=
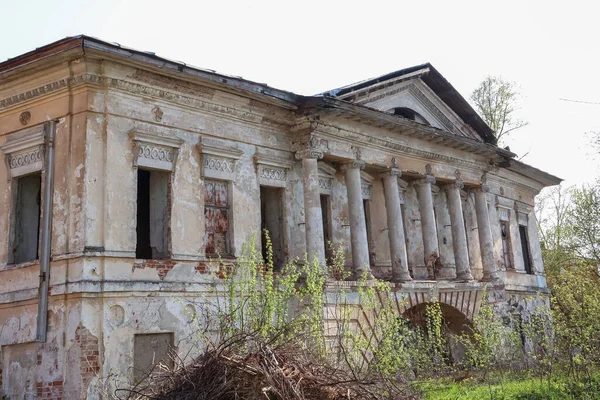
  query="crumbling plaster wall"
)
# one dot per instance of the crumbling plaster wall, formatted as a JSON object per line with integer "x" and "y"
{"x": 93, "y": 242}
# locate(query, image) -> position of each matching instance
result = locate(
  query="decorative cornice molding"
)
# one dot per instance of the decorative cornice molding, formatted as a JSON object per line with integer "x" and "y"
{"x": 220, "y": 152}
{"x": 502, "y": 181}
{"x": 503, "y": 202}
{"x": 523, "y": 208}
{"x": 155, "y": 151}
{"x": 24, "y": 151}
{"x": 33, "y": 93}
{"x": 272, "y": 171}
{"x": 198, "y": 101}
{"x": 387, "y": 144}
{"x": 217, "y": 162}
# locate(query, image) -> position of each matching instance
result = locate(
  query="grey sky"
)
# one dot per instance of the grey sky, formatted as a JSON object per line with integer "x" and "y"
{"x": 549, "y": 48}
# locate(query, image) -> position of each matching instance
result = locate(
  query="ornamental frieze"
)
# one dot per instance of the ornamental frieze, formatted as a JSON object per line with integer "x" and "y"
{"x": 326, "y": 183}
{"x": 155, "y": 151}
{"x": 24, "y": 151}
{"x": 278, "y": 174}
{"x": 219, "y": 164}
{"x": 272, "y": 171}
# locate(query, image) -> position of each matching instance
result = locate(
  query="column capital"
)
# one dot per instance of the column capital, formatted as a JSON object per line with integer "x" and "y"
{"x": 397, "y": 172}
{"x": 458, "y": 184}
{"x": 352, "y": 164}
{"x": 310, "y": 152}
{"x": 428, "y": 179}
{"x": 481, "y": 189}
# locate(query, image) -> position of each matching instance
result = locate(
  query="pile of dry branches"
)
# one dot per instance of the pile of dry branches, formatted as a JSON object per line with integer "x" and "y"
{"x": 285, "y": 373}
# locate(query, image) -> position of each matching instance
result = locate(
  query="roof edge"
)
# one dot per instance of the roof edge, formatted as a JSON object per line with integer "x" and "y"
{"x": 536, "y": 174}
{"x": 40, "y": 53}
{"x": 115, "y": 49}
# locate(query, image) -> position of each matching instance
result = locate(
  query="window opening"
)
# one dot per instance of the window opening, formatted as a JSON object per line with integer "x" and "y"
{"x": 525, "y": 248}
{"x": 150, "y": 350}
{"x": 326, "y": 216}
{"x": 216, "y": 218}
{"x": 26, "y": 218}
{"x": 367, "y": 211}
{"x": 152, "y": 214}
{"x": 409, "y": 114}
{"x": 271, "y": 215}
{"x": 506, "y": 250}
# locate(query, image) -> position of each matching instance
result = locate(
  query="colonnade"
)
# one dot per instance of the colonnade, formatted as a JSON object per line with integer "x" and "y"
{"x": 396, "y": 231}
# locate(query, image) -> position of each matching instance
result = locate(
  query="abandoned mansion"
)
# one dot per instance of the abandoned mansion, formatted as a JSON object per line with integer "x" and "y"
{"x": 125, "y": 174}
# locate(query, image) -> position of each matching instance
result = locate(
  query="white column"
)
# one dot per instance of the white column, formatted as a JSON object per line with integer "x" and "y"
{"x": 313, "y": 217}
{"x": 459, "y": 237}
{"x": 486, "y": 243}
{"x": 395, "y": 226}
{"x": 430, "y": 240}
{"x": 358, "y": 226}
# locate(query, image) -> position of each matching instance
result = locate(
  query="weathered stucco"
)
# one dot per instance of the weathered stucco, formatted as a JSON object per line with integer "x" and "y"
{"x": 101, "y": 296}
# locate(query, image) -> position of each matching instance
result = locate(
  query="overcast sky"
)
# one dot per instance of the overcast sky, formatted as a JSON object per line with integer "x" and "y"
{"x": 549, "y": 48}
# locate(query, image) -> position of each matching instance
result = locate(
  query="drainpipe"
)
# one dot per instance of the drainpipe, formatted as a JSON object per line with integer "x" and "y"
{"x": 42, "y": 318}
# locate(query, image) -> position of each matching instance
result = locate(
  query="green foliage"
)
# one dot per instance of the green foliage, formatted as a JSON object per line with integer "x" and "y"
{"x": 298, "y": 306}
{"x": 495, "y": 99}
{"x": 491, "y": 343}
{"x": 514, "y": 387}
{"x": 584, "y": 222}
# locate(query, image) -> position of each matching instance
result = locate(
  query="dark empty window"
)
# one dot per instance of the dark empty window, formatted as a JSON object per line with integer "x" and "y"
{"x": 367, "y": 211}
{"x": 216, "y": 218}
{"x": 152, "y": 214}
{"x": 409, "y": 114}
{"x": 24, "y": 236}
{"x": 271, "y": 214}
{"x": 525, "y": 249}
{"x": 506, "y": 251}
{"x": 326, "y": 215}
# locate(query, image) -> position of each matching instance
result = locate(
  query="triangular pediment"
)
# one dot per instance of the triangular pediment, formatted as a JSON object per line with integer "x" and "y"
{"x": 413, "y": 95}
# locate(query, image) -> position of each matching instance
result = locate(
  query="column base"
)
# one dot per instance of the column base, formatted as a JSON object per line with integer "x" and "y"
{"x": 401, "y": 278}
{"x": 464, "y": 276}
{"x": 490, "y": 278}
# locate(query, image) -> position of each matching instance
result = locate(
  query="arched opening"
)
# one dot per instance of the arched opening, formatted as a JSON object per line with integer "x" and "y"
{"x": 454, "y": 323}
{"x": 409, "y": 113}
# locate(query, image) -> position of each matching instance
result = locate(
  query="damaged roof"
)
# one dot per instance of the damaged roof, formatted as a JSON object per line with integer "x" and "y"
{"x": 440, "y": 86}
{"x": 332, "y": 99}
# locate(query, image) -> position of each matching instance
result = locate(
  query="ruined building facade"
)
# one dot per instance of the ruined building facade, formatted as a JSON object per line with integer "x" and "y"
{"x": 126, "y": 172}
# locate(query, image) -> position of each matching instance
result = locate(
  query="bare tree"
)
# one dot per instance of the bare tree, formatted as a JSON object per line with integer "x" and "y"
{"x": 495, "y": 99}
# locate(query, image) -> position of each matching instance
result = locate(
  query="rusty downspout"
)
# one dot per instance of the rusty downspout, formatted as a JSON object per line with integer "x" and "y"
{"x": 42, "y": 317}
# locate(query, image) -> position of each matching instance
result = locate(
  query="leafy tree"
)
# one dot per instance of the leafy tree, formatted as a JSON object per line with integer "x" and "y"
{"x": 584, "y": 222}
{"x": 495, "y": 99}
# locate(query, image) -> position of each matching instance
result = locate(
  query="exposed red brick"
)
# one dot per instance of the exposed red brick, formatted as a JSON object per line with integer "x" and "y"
{"x": 162, "y": 266}
{"x": 52, "y": 390}
{"x": 90, "y": 355}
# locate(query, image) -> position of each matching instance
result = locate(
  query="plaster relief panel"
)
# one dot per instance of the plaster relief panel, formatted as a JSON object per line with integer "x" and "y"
{"x": 154, "y": 151}
{"x": 24, "y": 151}
{"x": 218, "y": 162}
{"x": 272, "y": 171}
{"x": 326, "y": 177}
